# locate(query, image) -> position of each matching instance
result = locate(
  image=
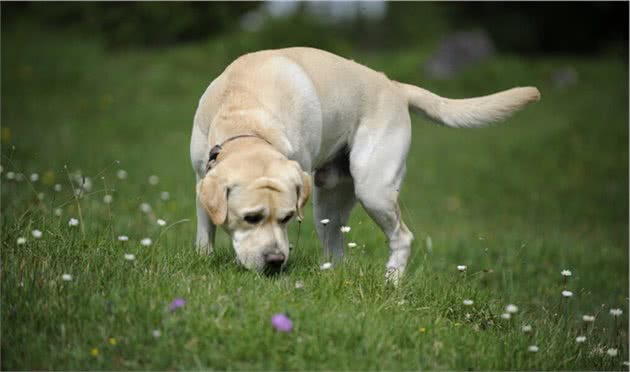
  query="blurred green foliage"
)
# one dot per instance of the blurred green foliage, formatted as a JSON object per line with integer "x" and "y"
{"x": 124, "y": 24}
{"x": 544, "y": 27}
{"x": 577, "y": 28}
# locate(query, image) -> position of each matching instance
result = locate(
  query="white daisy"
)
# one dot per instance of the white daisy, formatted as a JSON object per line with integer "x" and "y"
{"x": 161, "y": 222}
{"x": 156, "y": 333}
{"x": 10, "y": 175}
{"x": 146, "y": 242}
{"x": 87, "y": 184}
{"x": 58, "y": 212}
{"x": 34, "y": 177}
{"x": 325, "y": 221}
{"x": 40, "y": 196}
{"x": 588, "y": 318}
{"x": 37, "y": 234}
{"x": 154, "y": 180}
{"x": 326, "y": 266}
{"x": 66, "y": 277}
{"x": 506, "y": 315}
{"x": 352, "y": 245}
{"x": 532, "y": 349}
{"x": 566, "y": 273}
{"x": 461, "y": 267}
{"x": 121, "y": 174}
{"x": 580, "y": 339}
{"x": 21, "y": 240}
{"x": 566, "y": 293}
{"x": 164, "y": 195}
{"x": 107, "y": 199}
{"x": 299, "y": 284}
{"x": 57, "y": 187}
{"x": 526, "y": 328}
{"x": 626, "y": 363}
{"x": 468, "y": 302}
{"x": 123, "y": 238}
{"x": 145, "y": 207}
{"x": 130, "y": 256}
{"x": 616, "y": 312}
{"x": 345, "y": 229}
{"x": 612, "y": 352}
{"x": 73, "y": 222}
{"x": 511, "y": 308}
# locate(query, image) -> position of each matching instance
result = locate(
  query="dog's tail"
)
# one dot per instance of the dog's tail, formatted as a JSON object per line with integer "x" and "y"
{"x": 469, "y": 112}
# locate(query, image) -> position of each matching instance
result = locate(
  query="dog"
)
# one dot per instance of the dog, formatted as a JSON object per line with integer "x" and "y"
{"x": 274, "y": 119}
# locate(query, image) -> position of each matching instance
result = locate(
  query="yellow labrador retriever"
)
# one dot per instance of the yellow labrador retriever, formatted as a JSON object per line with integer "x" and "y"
{"x": 274, "y": 118}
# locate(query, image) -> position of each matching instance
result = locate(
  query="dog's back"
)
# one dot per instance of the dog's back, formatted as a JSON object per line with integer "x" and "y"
{"x": 343, "y": 84}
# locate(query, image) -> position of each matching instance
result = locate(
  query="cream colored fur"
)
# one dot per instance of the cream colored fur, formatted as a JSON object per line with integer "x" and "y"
{"x": 469, "y": 112}
{"x": 314, "y": 113}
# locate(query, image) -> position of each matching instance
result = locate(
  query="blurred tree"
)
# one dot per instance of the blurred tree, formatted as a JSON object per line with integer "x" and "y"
{"x": 123, "y": 24}
{"x": 547, "y": 27}
{"x": 413, "y": 23}
{"x": 521, "y": 27}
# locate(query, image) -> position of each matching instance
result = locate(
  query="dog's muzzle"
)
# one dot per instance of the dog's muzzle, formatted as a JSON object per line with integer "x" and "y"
{"x": 274, "y": 261}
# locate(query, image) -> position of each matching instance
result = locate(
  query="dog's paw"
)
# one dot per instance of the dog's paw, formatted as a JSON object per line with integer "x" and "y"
{"x": 393, "y": 276}
{"x": 204, "y": 250}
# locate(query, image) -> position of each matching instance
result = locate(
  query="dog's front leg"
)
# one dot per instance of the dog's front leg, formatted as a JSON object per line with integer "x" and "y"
{"x": 205, "y": 229}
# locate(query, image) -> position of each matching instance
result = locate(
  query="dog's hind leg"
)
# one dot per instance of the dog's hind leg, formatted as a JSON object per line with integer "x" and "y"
{"x": 333, "y": 200}
{"x": 377, "y": 165}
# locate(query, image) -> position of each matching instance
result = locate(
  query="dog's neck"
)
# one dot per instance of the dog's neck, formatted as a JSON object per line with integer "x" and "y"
{"x": 242, "y": 119}
{"x": 216, "y": 150}
{"x": 230, "y": 122}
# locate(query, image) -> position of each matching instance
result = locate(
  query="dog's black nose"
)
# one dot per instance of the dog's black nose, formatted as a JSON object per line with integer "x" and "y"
{"x": 274, "y": 261}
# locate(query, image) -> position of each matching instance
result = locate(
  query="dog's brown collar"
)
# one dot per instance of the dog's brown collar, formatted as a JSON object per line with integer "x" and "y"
{"x": 214, "y": 152}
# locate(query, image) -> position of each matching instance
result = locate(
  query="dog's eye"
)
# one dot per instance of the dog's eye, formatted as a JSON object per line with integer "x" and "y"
{"x": 287, "y": 218}
{"x": 253, "y": 218}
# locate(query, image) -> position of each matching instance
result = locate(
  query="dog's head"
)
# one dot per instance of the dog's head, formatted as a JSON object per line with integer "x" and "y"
{"x": 254, "y": 194}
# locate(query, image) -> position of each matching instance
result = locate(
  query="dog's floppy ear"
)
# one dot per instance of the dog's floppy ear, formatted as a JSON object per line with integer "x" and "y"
{"x": 212, "y": 194}
{"x": 303, "y": 188}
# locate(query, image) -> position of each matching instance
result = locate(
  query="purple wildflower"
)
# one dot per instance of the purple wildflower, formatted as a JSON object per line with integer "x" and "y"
{"x": 281, "y": 323}
{"x": 176, "y": 304}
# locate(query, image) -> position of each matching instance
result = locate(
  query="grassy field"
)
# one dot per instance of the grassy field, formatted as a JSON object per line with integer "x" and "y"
{"x": 516, "y": 203}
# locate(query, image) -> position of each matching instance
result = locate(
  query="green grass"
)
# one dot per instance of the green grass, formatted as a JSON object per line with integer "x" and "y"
{"x": 516, "y": 203}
